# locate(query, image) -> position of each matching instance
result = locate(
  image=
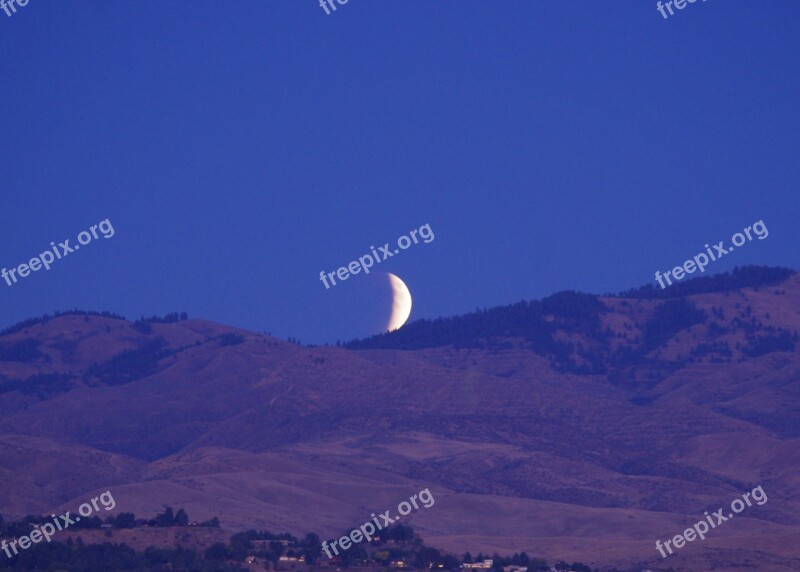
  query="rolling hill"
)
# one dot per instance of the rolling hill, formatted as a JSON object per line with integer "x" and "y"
{"x": 576, "y": 427}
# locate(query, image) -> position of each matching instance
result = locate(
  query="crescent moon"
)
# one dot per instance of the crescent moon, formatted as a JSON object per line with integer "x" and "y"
{"x": 401, "y": 303}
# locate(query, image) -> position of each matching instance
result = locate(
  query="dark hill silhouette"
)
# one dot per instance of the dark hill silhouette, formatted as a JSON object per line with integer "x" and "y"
{"x": 571, "y": 311}
{"x": 567, "y": 328}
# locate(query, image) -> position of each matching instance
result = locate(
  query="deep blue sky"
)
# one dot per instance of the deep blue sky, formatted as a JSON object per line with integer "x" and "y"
{"x": 239, "y": 148}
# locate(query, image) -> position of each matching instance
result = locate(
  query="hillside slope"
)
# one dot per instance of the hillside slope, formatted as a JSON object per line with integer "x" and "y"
{"x": 577, "y": 427}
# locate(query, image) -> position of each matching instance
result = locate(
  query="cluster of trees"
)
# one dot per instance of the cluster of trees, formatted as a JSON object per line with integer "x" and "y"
{"x": 79, "y": 557}
{"x": 171, "y": 318}
{"x": 145, "y": 325}
{"x": 274, "y": 546}
{"x": 43, "y": 385}
{"x": 130, "y": 365}
{"x": 166, "y": 519}
{"x": 398, "y": 542}
{"x": 670, "y": 318}
{"x": 19, "y": 326}
{"x": 140, "y": 362}
{"x": 518, "y": 559}
{"x": 781, "y": 341}
{"x": 25, "y": 351}
{"x": 181, "y": 518}
{"x": 407, "y": 546}
{"x": 231, "y": 339}
{"x": 534, "y": 322}
{"x": 141, "y": 323}
{"x": 24, "y": 527}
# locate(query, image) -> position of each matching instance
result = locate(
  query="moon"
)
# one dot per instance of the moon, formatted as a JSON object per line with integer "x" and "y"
{"x": 401, "y": 303}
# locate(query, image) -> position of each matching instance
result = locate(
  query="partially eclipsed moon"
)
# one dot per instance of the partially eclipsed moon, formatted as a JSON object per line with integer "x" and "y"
{"x": 401, "y": 303}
